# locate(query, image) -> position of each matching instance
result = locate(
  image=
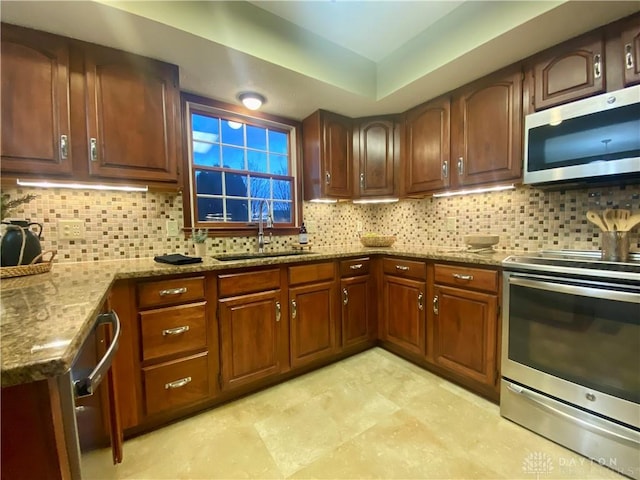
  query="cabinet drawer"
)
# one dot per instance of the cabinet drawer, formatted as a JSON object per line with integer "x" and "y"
{"x": 477, "y": 278}
{"x": 311, "y": 273}
{"x": 177, "y": 383}
{"x": 354, "y": 267}
{"x": 166, "y": 292}
{"x": 404, "y": 268}
{"x": 248, "y": 282}
{"x": 171, "y": 330}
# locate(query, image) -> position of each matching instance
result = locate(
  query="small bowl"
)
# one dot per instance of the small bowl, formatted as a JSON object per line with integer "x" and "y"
{"x": 377, "y": 240}
{"x": 481, "y": 241}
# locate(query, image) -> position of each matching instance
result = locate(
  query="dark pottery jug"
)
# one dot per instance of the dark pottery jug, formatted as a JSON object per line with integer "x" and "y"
{"x": 20, "y": 245}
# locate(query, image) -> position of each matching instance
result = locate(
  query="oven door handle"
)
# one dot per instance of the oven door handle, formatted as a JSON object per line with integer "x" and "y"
{"x": 580, "y": 290}
{"x": 86, "y": 386}
{"x": 538, "y": 400}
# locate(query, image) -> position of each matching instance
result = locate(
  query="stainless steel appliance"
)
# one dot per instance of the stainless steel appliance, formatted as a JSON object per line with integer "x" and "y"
{"x": 571, "y": 353}
{"x": 593, "y": 139}
{"x": 89, "y": 408}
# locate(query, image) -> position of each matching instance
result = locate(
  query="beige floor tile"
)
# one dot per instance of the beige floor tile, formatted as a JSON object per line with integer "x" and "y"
{"x": 372, "y": 415}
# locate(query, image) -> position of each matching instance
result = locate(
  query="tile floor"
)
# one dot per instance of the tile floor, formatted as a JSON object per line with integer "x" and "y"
{"x": 372, "y": 415}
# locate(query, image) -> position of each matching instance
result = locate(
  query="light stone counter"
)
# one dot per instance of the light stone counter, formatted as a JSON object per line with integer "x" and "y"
{"x": 44, "y": 319}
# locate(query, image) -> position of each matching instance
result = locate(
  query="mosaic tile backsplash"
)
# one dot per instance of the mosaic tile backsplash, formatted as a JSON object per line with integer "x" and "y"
{"x": 133, "y": 224}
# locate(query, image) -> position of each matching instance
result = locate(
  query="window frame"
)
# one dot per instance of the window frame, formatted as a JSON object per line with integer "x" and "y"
{"x": 201, "y": 105}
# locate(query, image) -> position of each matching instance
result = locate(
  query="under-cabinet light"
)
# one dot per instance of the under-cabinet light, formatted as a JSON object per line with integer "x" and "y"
{"x": 323, "y": 200}
{"x": 475, "y": 190}
{"x": 376, "y": 200}
{"x": 80, "y": 186}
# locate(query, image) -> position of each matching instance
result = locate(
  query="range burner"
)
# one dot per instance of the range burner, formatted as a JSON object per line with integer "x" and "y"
{"x": 576, "y": 262}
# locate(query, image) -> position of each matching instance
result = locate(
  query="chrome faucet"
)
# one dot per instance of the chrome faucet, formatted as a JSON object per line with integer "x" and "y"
{"x": 261, "y": 241}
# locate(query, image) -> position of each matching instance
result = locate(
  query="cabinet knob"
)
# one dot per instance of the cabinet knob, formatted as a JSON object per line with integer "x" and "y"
{"x": 597, "y": 66}
{"x": 435, "y": 305}
{"x": 345, "y": 296}
{"x": 628, "y": 56}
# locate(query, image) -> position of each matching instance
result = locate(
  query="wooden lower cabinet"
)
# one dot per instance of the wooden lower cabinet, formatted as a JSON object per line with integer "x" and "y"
{"x": 403, "y": 313}
{"x": 312, "y": 322}
{"x": 358, "y": 315}
{"x": 250, "y": 338}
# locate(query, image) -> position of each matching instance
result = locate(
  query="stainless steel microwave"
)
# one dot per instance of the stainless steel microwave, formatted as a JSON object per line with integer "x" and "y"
{"x": 593, "y": 139}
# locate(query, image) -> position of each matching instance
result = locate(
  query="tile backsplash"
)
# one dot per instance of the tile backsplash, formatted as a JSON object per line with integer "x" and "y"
{"x": 133, "y": 224}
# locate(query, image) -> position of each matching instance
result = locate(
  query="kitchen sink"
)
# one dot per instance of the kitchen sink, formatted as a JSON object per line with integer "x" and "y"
{"x": 254, "y": 255}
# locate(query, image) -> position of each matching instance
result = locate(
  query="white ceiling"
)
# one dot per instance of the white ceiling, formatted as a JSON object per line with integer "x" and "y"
{"x": 372, "y": 29}
{"x": 357, "y": 58}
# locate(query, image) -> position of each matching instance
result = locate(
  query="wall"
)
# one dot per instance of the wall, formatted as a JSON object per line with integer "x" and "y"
{"x": 133, "y": 224}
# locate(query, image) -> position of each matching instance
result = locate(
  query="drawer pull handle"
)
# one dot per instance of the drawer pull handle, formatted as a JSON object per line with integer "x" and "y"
{"x": 345, "y": 296}
{"x": 435, "y": 305}
{"x": 177, "y": 384}
{"x": 460, "y": 276}
{"x": 175, "y": 331}
{"x": 278, "y": 311}
{"x": 420, "y": 301}
{"x": 357, "y": 266}
{"x": 402, "y": 268}
{"x": 173, "y": 291}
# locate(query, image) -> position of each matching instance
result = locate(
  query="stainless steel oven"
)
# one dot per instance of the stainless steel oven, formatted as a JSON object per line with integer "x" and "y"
{"x": 571, "y": 353}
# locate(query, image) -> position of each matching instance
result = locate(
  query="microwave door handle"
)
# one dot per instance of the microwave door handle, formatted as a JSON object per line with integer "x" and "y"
{"x": 86, "y": 386}
{"x": 580, "y": 290}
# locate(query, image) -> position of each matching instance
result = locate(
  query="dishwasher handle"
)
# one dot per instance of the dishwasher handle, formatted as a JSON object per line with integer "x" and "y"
{"x": 86, "y": 386}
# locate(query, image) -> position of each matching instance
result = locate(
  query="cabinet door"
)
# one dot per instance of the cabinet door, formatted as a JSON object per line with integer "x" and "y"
{"x": 133, "y": 116}
{"x": 34, "y": 69}
{"x": 403, "y": 314}
{"x": 426, "y": 161}
{"x": 631, "y": 51}
{"x": 486, "y": 130}
{"x": 337, "y": 148}
{"x": 357, "y": 315}
{"x": 313, "y": 322}
{"x": 249, "y": 338}
{"x": 465, "y": 333}
{"x": 572, "y": 71}
{"x": 376, "y": 141}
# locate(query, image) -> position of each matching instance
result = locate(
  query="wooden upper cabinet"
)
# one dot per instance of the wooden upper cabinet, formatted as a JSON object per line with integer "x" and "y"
{"x": 426, "y": 158}
{"x": 328, "y": 156}
{"x": 376, "y": 140}
{"x": 631, "y": 52}
{"x": 133, "y": 114}
{"x": 569, "y": 72}
{"x": 486, "y": 130}
{"x": 34, "y": 68}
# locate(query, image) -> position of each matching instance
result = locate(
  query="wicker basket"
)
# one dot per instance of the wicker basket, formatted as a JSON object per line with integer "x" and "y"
{"x": 31, "y": 269}
{"x": 377, "y": 240}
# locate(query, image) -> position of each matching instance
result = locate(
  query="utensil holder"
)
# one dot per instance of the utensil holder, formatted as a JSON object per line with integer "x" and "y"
{"x": 615, "y": 246}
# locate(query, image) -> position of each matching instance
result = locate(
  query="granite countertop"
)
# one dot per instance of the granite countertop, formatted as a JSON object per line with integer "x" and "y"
{"x": 45, "y": 318}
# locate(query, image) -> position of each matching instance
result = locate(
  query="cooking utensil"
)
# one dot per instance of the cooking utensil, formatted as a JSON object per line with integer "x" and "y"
{"x": 594, "y": 218}
{"x": 609, "y": 218}
{"x": 621, "y": 215}
{"x": 631, "y": 222}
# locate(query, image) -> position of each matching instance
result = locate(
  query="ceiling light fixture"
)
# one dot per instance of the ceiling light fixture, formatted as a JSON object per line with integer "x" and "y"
{"x": 475, "y": 190}
{"x": 80, "y": 186}
{"x": 252, "y": 100}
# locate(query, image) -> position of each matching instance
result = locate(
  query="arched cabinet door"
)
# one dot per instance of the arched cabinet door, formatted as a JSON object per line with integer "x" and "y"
{"x": 376, "y": 157}
{"x": 34, "y": 69}
{"x": 631, "y": 52}
{"x": 575, "y": 70}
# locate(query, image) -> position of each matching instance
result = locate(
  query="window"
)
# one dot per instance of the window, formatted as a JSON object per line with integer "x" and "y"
{"x": 239, "y": 167}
